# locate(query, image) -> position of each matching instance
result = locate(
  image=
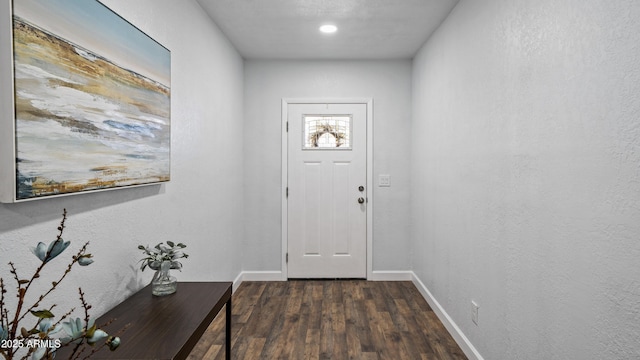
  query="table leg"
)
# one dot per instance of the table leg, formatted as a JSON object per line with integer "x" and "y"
{"x": 228, "y": 331}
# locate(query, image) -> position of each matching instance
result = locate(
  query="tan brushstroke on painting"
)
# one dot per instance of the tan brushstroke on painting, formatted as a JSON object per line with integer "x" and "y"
{"x": 101, "y": 70}
{"x": 43, "y": 187}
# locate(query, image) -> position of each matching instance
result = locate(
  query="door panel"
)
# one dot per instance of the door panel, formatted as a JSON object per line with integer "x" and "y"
{"x": 327, "y": 225}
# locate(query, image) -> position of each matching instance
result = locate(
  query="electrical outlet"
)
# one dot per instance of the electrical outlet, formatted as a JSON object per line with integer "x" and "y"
{"x": 474, "y": 312}
{"x": 384, "y": 180}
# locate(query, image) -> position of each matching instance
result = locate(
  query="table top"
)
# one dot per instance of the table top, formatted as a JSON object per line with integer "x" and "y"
{"x": 166, "y": 327}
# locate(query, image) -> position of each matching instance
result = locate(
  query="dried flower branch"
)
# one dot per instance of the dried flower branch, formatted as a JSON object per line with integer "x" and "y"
{"x": 38, "y": 339}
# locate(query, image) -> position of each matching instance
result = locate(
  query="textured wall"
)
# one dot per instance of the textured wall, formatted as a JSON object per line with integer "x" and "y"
{"x": 526, "y": 176}
{"x": 266, "y": 83}
{"x": 201, "y": 206}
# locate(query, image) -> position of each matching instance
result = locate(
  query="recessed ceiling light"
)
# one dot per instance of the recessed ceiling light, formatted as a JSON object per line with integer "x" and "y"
{"x": 328, "y": 29}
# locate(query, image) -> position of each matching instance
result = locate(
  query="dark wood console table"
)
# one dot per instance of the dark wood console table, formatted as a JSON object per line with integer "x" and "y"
{"x": 167, "y": 327}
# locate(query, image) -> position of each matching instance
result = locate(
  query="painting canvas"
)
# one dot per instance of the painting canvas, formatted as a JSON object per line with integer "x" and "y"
{"x": 92, "y": 100}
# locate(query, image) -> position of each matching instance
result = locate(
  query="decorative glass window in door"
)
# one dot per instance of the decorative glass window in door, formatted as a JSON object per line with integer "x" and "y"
{"x": 327, "y": 131}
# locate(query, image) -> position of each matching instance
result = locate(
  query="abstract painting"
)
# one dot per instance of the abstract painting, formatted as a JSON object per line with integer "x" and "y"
{"x": 92, "y": 100}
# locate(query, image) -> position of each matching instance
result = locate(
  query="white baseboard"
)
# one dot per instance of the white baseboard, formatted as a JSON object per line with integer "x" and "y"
{"x": 391, "y": 276}
{"x": 236, "y": 283}
{"x": 257, "y": 276}
{"x": 464, "y": 343}
{"x": 260, "y": 276}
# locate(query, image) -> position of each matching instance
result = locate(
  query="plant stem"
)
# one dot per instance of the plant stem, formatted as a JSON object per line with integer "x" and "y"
{"x": 22, "y": 291}
{"x": 53, "y": 287}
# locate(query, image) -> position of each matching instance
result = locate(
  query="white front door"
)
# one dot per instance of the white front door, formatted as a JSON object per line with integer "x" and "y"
{"x": 327, "y": 203}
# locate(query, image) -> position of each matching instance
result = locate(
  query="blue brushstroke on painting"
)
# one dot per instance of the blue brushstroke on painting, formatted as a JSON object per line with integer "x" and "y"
{"x": 143, "y": 157}
{"x": 139, "y": 129}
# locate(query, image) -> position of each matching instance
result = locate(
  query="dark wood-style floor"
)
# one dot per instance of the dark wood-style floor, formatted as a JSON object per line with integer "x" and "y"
{"x": 343, "y": 319}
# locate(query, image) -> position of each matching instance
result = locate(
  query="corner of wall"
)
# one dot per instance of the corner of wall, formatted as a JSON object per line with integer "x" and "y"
{"x": 457, "y": 334}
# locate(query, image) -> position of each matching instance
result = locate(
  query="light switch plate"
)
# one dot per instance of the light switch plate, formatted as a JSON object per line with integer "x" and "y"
{"x": 384, "y": 180}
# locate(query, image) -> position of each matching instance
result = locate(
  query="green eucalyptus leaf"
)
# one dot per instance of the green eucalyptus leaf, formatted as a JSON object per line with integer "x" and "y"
{"x": 171, "y": 243}
{"x": 42, "y": 314}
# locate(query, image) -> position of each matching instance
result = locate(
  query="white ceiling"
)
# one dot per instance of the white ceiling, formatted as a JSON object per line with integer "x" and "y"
{"x": 367, "y": 29}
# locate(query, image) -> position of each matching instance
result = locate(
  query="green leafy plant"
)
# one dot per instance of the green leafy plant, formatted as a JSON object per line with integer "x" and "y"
{"x": 37, "y": 341}
{"x": 160, "y": 253}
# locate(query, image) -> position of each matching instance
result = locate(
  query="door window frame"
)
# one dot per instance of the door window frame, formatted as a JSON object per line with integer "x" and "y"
{"x": 285, "y": 172}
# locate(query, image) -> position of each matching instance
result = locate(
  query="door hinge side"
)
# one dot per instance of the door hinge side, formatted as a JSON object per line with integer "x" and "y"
{"x": 287, "y": 126}
{"x": 287, "y": 258}
{"x": 287, "y": 192}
